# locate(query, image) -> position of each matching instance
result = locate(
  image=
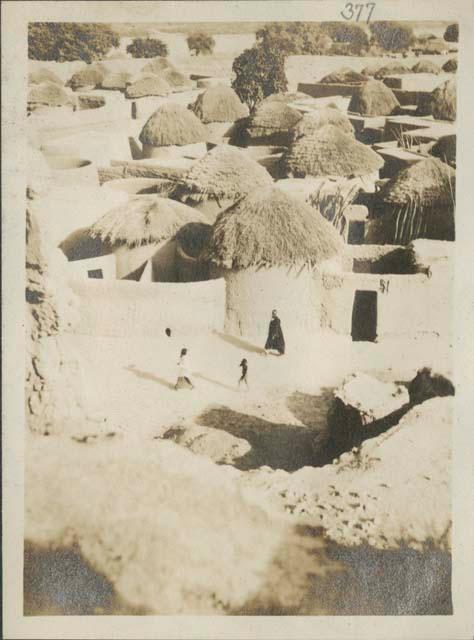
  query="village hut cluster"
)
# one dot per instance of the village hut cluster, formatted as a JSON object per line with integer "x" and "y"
{"x": 301, "y": 204}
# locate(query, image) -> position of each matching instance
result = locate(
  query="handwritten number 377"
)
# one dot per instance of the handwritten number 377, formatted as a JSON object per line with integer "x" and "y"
{"x": 354, "y": 11}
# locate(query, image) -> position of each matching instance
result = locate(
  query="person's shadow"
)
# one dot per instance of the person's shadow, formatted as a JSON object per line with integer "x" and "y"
{"x": 239, "y": 343}
{"x": 146, "y": 375}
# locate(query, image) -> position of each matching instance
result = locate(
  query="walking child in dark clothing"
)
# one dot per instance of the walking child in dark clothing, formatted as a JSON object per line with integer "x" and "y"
{"x": 243, "y": 377}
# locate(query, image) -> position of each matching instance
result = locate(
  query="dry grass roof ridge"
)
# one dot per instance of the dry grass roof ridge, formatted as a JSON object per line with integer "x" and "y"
{"x": 219, "y": 104}
{"x": 373, "y": 98}
{"x": 172, "y": 124}
{"x": 311, "y": 122}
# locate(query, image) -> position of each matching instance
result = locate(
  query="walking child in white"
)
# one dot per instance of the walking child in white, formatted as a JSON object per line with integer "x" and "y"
{"x": 184, "y": 378}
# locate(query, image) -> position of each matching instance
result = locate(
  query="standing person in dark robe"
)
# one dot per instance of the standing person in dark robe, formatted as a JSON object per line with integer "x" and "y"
{"x": 275, "y": 340}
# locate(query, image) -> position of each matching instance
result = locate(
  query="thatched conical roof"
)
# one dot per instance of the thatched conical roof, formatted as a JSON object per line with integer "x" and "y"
{"x": 443, "y": 101}
{"x": 90, "y": 77}
{"x": 157, "y": 65}
{"x": 226, "y": 173}
{"x": 445, "y": 149}
{"x": 451, "y": 65}
{"x": 49, "y": 94}
{"x": 330, "y": 152}
{"x": 426, "y": 66}
{"x": 392, "y": 69}
{"x": 150, "y": 85}
{"x": 373, "y": 98}
{"x": 144, "y": 219}
{"x": 428, "y": 183}
{"x": 177, "y": 80}
{"x": 44, "y": 75}
{"x": 219, "y": 104}
{"x": 313, "y": 121}
{"x": 269, "y": 228}
{"x": 173, "y": 124}
{"x": 344, "y": 75}
{"x": 116, "y": 81}
{"x": 272, "y": 118}
{"x": 371, "y": 69}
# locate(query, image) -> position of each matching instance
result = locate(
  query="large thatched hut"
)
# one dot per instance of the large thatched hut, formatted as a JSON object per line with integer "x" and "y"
{"x": 142, "y": 231}
{"x": 319, "y": 118}
{"x": 48, "y": 94}
{"x": 44, "y": 75}
{"x": 271, "y": 124}
{"x": 391, "y": 69}
{"x": 171, "y": 126}
{"x": 223, "y": 176}
{"x": 419, "y": 202}
{"x": 450, "y": 66}
{"x": 373, "y": 98}
{"x": 147, "y": 85}
{"x": 345, "y": 75}
{"x": 219, "y": 104}
{"x": 443, "y": 101}
{"x": 89, "y": 78}
{"x": 271, "y": 249}
{"x": 331, "y": 152}
{"x": 116, "y": 81}
{"x": 426, "y": 66}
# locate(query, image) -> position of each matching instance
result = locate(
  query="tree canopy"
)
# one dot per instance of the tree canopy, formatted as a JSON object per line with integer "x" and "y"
{"x": 452, "y": 33}
{"x": 294, "y": 38}
{"x": 147, "y": 48}
{"x": 69, "y": 41}
{"x": 200, "y": 43}
{"x": 392, "y": 36}
{"x": 259, "y": 72}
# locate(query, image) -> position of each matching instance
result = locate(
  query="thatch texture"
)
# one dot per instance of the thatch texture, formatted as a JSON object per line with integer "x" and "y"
{"x": 345, "y": 75}
{"x": 173, "y": 124}
{"x": 373, "y": 98}
{"x": 392, "y": 69}
{"x": 287, "y": 98}
{"x": 219, "y": 104}
{"x": 91, "y": 77}
{"x": 426, "y": 66}
{"x": 49, "y": 94}
{"x": 176, "y": 80}
{"x": 268, "y": 229}
{"x": 157, "y": 65}
{"x": 443, "y": 101}
{"x": 150, "y": 85}
{"x": 224, "y": 173}
{"x": 371, "y": 69}
{"x": 445, "y": 149}
{"x": 116, "y": 81}
{"x": 330, "y": 152}
{"x": 271, "y": 119}
{"x": 144, "y": 220}
{"x": 313, "y": 121}
{"x": 451, "y": 65}
{"x": 44, "y": 75}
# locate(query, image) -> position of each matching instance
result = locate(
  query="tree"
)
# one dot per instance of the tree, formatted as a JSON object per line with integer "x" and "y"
{"x": 452, "y": 33}
{"x": 259, "y": 72}
{"x": 294, "y": 38}
{"x": 200, "y": 43}
{"x": 68, "y": 41}
{"x": 147, "y": 48}
{"x": 392, "y": 36}
{"x": 352, "y": 35}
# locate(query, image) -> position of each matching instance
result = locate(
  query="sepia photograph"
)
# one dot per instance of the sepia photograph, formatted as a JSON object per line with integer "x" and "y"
{"x": 240, "y": 378}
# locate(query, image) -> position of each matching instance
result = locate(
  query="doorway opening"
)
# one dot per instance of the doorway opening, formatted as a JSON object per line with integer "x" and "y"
{"x": 364, "y": 316}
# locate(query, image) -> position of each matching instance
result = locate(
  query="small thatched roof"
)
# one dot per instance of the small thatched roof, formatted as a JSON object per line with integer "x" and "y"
{"x": 150, "y": 85}
{"x": 224, "y": 173}
{"x": 44, "y": 75}
{"x": 173, "y": 124}
{"x": 445, "y": 149}
{"x": 116, "y": 81}
{"x": 443, "y": 101}
{"x": 371, "y": 69}
{"x": 451, "y": 65}
{"x": 219, "y": 104}
{"x": 90, "y": 77}
{"x": 426, "y": 66}
{"x": 316, "y": 119}
{"x": 373, "y": 98}
{"x": 344, "y": 75}
{"x": 144, "y": 219}
{"x": 272, "y": 117}
{"x": 157, "y": 65}
{"x": 428, "y": 183}
{"x": 49, "y": 94}
{"x": 330, "y": 152}
{"x": 177, "y": 80}
{"x": 285, "y": 97}
{"x": 392, "y": 69}
{"x": 269, "y": 228}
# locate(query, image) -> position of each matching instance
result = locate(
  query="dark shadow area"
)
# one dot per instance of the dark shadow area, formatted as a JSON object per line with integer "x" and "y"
{"x": 216, "y": 382}
{"x": 135, "y": 149}
{"x": 240, "y": 343}
{"x": 146, "y": 375}
{"x": 61, "y": 582}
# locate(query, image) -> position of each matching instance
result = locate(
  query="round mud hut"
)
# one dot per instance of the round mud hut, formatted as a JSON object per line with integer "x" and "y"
{"x": 223, "y": 176}
{"x": 44, "y": 75}
{"x": 443, "y": 101}
{"x": 143, "y": 230}
{"x": 391, "y": 69}
{"x": 445, "y": 149}
{"x": 271, "y": 249}
{"x": 90, "y": 78}
{"x": 171, "y": 129}
{"x": 426, "y": 66}
{"x": 371, "y": 69}
{"x": 419, "y": 202}
{"x": 48, "y": 94}
{"x": 450, "y": 66}
{"x": 271, "y": 124}
{"x": 116, "y": 81}
{"x": 344, "y": 75}
{"x": 219, "y": 104}
{"x": 329, "y": 152}
{"x": 319, "y": 118}
{"x": 147, "y": 85}
{"x": 373, "y": 98}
